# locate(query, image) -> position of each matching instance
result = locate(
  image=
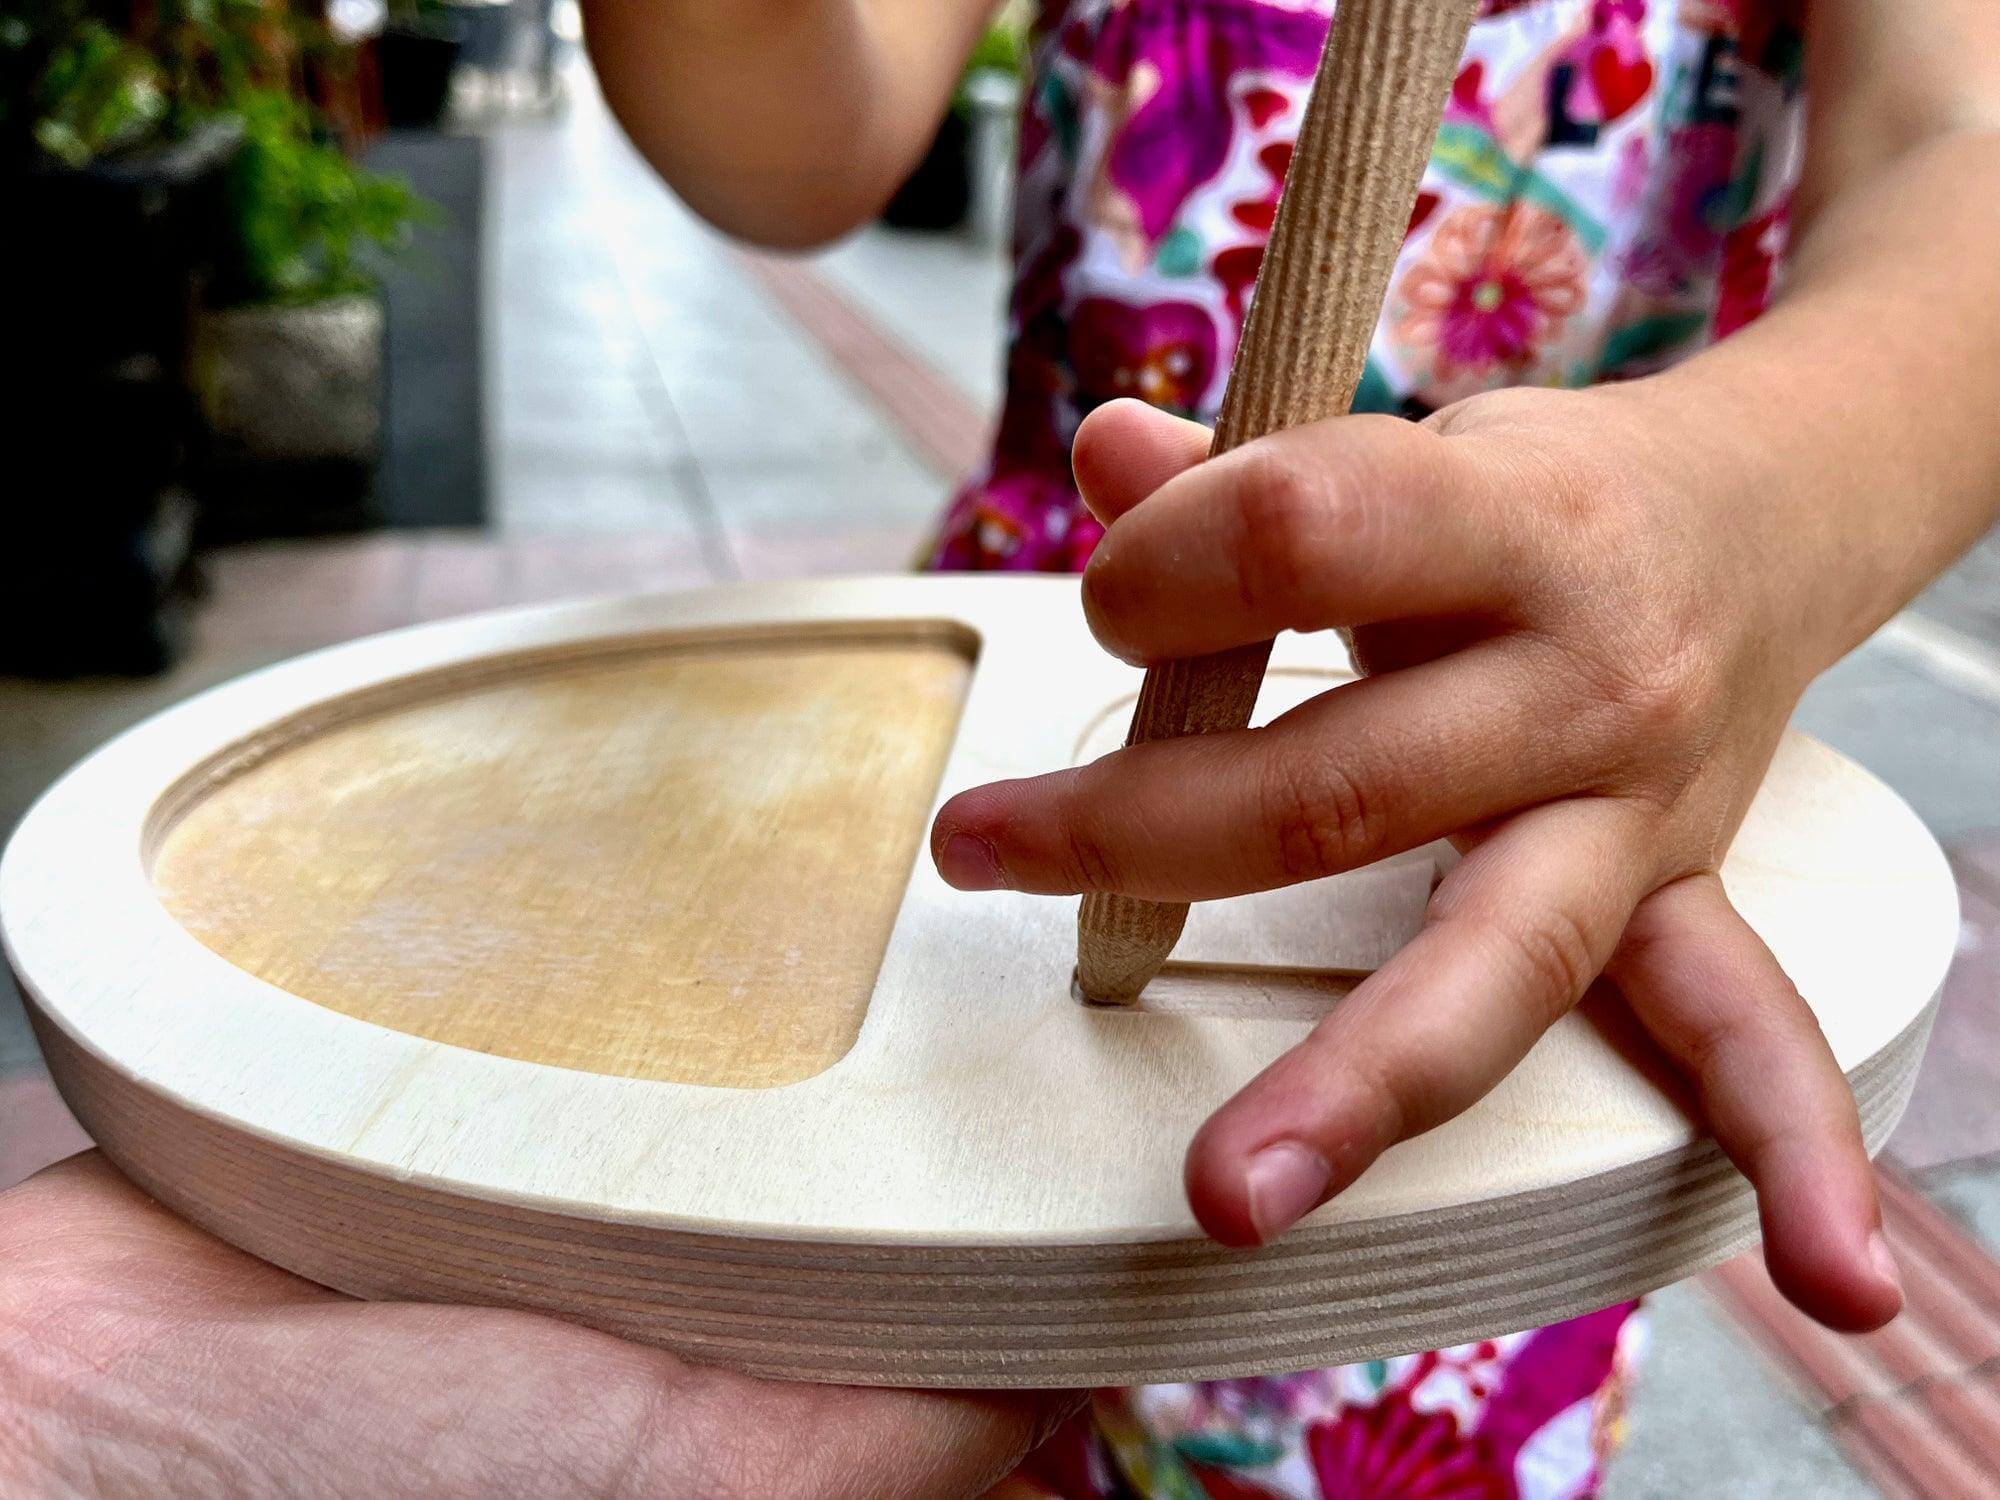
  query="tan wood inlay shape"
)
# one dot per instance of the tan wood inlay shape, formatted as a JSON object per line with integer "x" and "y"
{"x": 680, "y": 867}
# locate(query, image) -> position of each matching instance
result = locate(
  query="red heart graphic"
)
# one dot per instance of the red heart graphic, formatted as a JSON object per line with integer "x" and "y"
{"x": 1276, "y": 157}
{"x": 1255, "y": 215}
{"x": 1236, "y": 269}
{"x": 1265, "y": 105}
{"x": 1425, "y": 206}
{"x": 1619, "y": 84}
{"x": 1465, "y": 87}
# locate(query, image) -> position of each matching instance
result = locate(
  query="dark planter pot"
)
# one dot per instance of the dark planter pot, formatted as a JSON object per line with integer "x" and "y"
{"x": 295, "y": 414}
{"x": 103, "y": 281}
{"x": 938, "y": 194}
{"x": 417, "y": 62}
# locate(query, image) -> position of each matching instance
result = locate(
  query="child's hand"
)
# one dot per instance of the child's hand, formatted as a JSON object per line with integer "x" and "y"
{"x": 1585, "y": 632}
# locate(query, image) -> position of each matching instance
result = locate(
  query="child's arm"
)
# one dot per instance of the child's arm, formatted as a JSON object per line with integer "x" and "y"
{"x": 787, "y": 122}
{"x": 1588, "y": 615}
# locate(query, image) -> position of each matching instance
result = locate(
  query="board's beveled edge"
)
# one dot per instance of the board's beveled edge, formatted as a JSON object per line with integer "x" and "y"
{"x": 956, "y": 1319}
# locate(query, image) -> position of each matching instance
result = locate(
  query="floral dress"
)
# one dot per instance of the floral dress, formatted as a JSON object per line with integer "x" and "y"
{"x": 1608, "y": 193}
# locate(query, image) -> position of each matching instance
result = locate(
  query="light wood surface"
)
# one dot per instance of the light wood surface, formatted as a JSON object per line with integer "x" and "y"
{"x": 1367, "y": 133}
{"x": 984, "y": 1187}
{"x": 621, "y": 867}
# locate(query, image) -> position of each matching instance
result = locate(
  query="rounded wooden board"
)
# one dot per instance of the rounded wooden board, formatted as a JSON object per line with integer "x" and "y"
{"x": 944, "y": 1171}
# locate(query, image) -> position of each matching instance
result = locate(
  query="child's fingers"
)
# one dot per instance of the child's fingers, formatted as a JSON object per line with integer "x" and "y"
{"x": 1703, "y": 983}
{"x": 1125, "y": 450}
{"x": 1515, "y": 935}
{"x": 1361, "y": 772}
{"x": 1350, "y": 522}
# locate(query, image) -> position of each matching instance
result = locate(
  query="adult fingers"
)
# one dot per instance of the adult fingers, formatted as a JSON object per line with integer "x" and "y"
{"x": 1703, "y": 983}
{"x": 1125, "y": 450}
{"x": 1514, "y": 936}
{"x": 130, "y": 1323}
{"x": 1348, "y": 522}
{"x": 1366, "y": 770}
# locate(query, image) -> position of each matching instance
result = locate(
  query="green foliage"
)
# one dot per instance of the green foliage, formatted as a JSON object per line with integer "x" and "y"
{"x": 82, "y": 80}
{"x": 1001, "y": 48}
{"x": 308, "y": 222}
{"x": 71, "y": 85}
{"x": 416, "y": 13}
{"x": 98, "y": 94}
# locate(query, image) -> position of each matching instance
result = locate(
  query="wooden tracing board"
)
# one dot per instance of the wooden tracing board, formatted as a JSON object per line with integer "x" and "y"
{"x": 587, "y": 959}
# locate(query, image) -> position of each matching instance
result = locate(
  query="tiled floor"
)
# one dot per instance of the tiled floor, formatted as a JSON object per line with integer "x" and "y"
{"x": 644, "y": 384}
{"x": 668, "y": 413}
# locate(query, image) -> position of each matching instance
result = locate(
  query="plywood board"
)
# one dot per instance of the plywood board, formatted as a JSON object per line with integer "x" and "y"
{"x": 983, "y": 1186}
{"x": 680, "y": 866}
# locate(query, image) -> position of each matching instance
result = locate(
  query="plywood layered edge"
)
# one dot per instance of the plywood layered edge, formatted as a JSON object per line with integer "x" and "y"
{"x": 909, "y": 1315}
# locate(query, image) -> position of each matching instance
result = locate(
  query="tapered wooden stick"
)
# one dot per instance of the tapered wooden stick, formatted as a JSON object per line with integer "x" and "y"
{"x": 1367, "y": 133}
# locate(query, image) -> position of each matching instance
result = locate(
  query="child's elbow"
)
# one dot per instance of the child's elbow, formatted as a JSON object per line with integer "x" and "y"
{"x": 790, "y": 216}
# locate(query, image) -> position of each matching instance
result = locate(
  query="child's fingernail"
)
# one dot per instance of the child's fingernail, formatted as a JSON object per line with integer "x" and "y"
{"x": 1286, "y": 1182}
{"x": 968, "y": 862}
{"x": 1884, "y": 1261}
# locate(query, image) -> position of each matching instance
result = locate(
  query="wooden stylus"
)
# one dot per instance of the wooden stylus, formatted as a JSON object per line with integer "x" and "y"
{"x": 1367, "y": 133}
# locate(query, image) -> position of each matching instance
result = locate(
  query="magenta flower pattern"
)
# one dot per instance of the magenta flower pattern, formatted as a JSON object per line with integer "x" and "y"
{"x": 1609, "y": 192}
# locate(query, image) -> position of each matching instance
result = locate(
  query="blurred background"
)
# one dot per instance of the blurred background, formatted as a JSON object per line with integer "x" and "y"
{"x": 327, "y": 316}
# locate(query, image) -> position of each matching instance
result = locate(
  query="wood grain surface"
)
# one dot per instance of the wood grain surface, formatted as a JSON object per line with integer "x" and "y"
{"x": 683, "y": 866}
{"x": 984, "y": 1188}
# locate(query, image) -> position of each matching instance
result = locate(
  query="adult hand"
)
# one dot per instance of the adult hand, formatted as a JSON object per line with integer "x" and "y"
{"x": 139, "y": 1356}
{"x": 1585, "y": 619}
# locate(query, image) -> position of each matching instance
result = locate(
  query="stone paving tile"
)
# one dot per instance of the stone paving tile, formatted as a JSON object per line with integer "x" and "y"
{"x": 876, "y": 492}
{"x": 551, "y": 491}
{"x": 792, "y": 552}
{"x": 300, "y": 594}
{"x": 458, "y": 573}
{"x": 1967, "y": 597}
{"x": 1937, "y": 747}
{"x": 18, "y": 1052}
{"x": 1977, "y": 862}
{"x": 934, "y": 419}
{"x": 35, "y": 1128}
{"x": 1954, "y": 1111}
{"x": 944, "y": 294}
{"x": 629, "y": 339}
{"x": 1970, "y": 1193}
{"x": 1712, "y": 1417}
{"x": 571, "y": 567}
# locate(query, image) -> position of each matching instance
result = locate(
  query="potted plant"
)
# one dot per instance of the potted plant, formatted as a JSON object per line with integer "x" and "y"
{"x": 154, "y": 154}
{"x": 291, "y": 343}
{"x": 112, "y": 209}
{"x": 417, "y": 54}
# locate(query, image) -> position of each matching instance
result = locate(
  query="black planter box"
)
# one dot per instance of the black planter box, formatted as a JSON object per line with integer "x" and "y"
{"x": 103, "y": 268}
{"x": 417, "y": 61}
{"x": 938, "y": 194}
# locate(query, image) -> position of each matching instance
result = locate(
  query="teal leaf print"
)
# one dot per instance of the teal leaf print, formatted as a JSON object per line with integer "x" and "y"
{"x": 1470, "y": 157}
{"x": 1228, "y": 1450}
{"x": 1373, "y": 394}
{"x": 1650, "y": 339}
{"x": 1180, "y": 253}
{"x": 1059, "y": 108}
{"x": 1377, "y": 1371}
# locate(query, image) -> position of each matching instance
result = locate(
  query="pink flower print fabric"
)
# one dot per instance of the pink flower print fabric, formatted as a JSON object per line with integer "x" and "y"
{"x": 1608, "y": 193}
